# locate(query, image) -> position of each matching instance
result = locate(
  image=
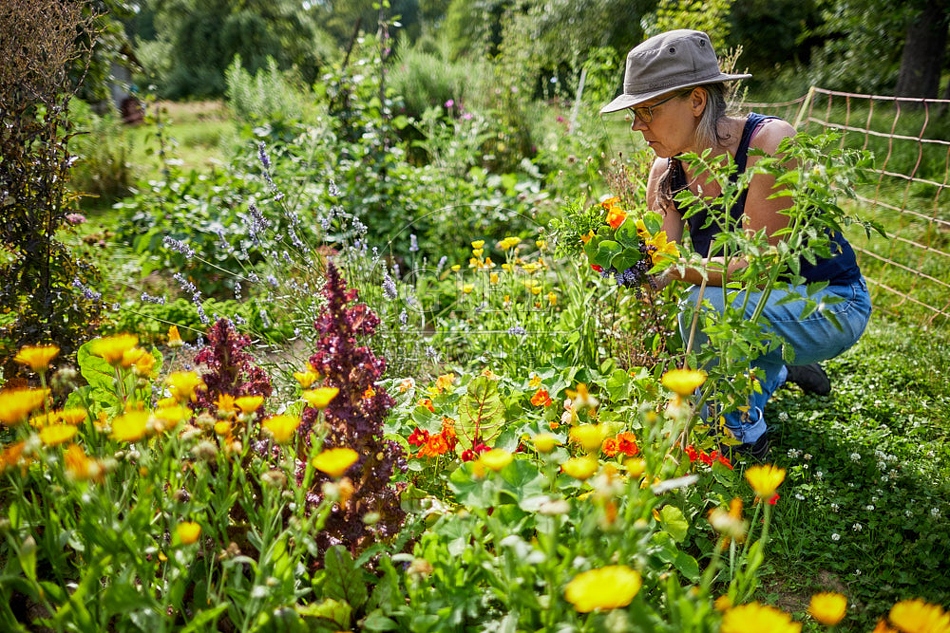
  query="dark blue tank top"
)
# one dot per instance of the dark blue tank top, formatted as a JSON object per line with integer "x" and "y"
{"x": 840, "y": 268}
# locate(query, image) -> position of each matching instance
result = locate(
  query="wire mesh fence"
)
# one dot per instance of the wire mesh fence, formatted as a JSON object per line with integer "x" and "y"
{"x": 908, "y": 271}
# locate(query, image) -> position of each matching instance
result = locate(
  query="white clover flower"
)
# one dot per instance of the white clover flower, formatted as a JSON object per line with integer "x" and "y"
{"x": 935, "y": 512}
{"x": 793, "y": 453}
{"x": 835, "y": 507}
{"x": 908, "y": 513}
{"x": 819, "y": 474}
{"x": 869, "y": 508}
{"x": 857, "y": 572}
{"x": 807, "y": 456}
{"x": 855, "y": 457}
{"x": 782, "y": 416}
{"x": 857, "y": 527}
{"x": 835, "y": 537}
{"x": 799, "y": 496}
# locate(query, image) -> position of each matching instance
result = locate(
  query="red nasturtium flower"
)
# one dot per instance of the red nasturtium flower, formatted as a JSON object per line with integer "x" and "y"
{"x": 418, "y": 437}
{"x": 541, "y": 398}
{"x": 627, "y": 444}
{"x": 471, "y": 454}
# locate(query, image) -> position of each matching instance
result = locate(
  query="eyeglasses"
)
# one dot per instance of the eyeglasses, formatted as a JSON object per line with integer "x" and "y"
{"x": 645, "y": 113}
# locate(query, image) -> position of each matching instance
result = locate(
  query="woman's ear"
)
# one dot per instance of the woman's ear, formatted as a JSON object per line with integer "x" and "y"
{"x": 697, "y": 101}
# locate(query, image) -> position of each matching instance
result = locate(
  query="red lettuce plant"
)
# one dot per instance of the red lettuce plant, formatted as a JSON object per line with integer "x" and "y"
{"x": 233, "y": 371}
{"x": 354, "y": 419}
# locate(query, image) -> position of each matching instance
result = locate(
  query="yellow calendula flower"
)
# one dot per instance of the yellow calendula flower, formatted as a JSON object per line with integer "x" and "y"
{"x": 544, "y": 442}
{"x": 335, "y": 461}
{"x": 170, "y": 416}
{"x": 917, "y": 616}
{"x": 635, "y": 466}
{"x": 765, "y": 479}
{"x": 225, "y": 404}
{"x": 144, "y": 365}
{"x": 281, "y": 427}
{"x": 306, "y": 378}
{"x": 55, "y": 434}
{"x": 683, "y": 381}
{"x": 477, "y": 244}
{"x": 589, "y": 436}
{"x": 610, "y": 587}
{"x": 222, "y": 428}
{"x": 184, "y": 385}
{"x": 174, "y": 337}
{"x": 73, "y": 415}
{"x": 508, "y": 243}
{"x": 37, "y": 357}
{"x": 468, "y": 288}
{"x": 130, "y": 426}
{"x": 580, "y": 468}
{"x": 320, "y": 397}
{"x": 757, "y": 618}
{"x": 188, "y": 532}
{"x": 112, "y": 349}
{"x": 17, "y": 404}
{"x": 131, "y": 356}
{"x": 496, "y": 459}
{"x": 729, "y": 522}
{"x": 828, "y": 608}
{"x": 249, "y": 404}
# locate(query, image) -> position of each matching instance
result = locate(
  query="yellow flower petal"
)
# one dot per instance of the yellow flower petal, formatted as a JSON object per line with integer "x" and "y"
{"x": 335, "y": 461}
{"x": 496, "y": 459}
{"x": 765, "y": 479}
{"x": 828, "y": 608}
{"x": 320, "y": 397}
{"x": 188, "y": 532}
{"x": 281, "y": 427}
{"x": 113, "y": 348}
{"x": 610, "y": 587}
{"x": 758, "y": 618}
{"x": 57, "y": 434}
{"x": 249, "y": 404}
{"x": 130, "y": 426}
{"x": 37, "y": 357}
{"x": 17, "y": 404}
{"x": 580, "y": 467}
{"x": 683, "y": 381}
{"x": 917, "y": 616}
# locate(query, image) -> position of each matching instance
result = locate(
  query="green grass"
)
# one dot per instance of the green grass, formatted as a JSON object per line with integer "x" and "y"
{"x": 879, "y": 442}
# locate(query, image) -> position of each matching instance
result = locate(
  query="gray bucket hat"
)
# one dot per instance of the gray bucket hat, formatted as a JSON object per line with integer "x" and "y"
{"x": 667, "y": 62}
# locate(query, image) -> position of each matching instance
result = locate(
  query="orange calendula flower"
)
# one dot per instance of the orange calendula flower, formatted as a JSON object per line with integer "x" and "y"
{"x": 610, "y": 587}
{"x": 55, "y": 434}
{"x": 144, "y": 365}
{"x": 281, "y": 427}
{"x": 174, "y": 338}
{"x": 496, "y": 459}
{"x": 765, "y": 479}
{"x": 580, "y": 468}
{"x": 184, "y": 385}
{"x": 616, "y": 217}
{"x": 541, "y": 398}
{"x": 10, "y": 456}
{"x": 130, "y": 426}
{"x": 917, "y": 616}
{"x": 37, "y": 357}
{"x": 249, "y": 404}
{"x": 683, "y": 381}
{"x": 335, "y": 461}
{"x": 78, "y": 465}
{"x": 112, "y": 349}
{"x": 188, "y": 532}
{"x": 320, "y": 397}
{"x": 756, "y": 618}
{"x": 17, "y": 404}
{"x": 828, "y": 608}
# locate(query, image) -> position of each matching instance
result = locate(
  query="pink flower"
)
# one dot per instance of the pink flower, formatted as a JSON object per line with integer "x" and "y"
{"x": 450, "y": 103}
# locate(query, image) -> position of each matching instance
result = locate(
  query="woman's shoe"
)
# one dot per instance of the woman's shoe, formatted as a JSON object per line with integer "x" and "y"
{"x": 811, "y": 378}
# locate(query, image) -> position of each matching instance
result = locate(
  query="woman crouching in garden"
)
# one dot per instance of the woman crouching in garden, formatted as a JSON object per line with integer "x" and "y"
{"x": 677, "y": 95}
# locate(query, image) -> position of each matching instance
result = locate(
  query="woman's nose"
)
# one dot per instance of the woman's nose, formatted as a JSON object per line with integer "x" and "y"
{"x": 638, "y": 125}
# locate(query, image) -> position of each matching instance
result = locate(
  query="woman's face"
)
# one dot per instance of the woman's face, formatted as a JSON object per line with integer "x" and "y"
{"x": 670, "y": 131}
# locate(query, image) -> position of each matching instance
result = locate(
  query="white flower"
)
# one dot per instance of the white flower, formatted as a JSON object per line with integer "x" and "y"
{"x": 857, "y": 572}
{"x": 799, "y": 496}
{"x": 819, "y": 474}
{"x": 869, "y": 508}
{"x": 857, "y": 527}
{"x": 807, "y": 456}
{"x": 835, "y": 537}
{"x": 793, "y": 453}
{"x": 855, "y": 457}
{"x": 935, "y": 512}
{"x": 908, "y": 513}
{"x": 835, "y": 507}
{"x": 782, "y": 416}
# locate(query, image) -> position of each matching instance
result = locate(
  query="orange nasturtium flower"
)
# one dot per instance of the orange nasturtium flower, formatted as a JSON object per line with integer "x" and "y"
{"x": 188, "y": 532}
{"x": 17, "y": 404}
{"x": 320, "y": 397}
{"x": 765, "y": 479}
{"x": 130, "y": 426}
{"x": 541, "y": 398}
{"x": 335, "y": 461}
{"x": 610, "y": 587}
{"x": 37, "y": 357}
{"x": 828, "y": 608}
{"x": 113, "y": 348}
{"x": 755, "y": 618}
{"x": 281, "y": 427}
{"x": 616, "y": 217}
{"x": 683, "y": 381}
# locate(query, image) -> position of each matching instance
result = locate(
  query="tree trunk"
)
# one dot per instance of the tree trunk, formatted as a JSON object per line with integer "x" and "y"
{"x": 922, "y": 59}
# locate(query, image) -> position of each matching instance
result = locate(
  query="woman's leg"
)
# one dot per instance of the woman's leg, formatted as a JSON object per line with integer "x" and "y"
{"x": 823, "y": 334}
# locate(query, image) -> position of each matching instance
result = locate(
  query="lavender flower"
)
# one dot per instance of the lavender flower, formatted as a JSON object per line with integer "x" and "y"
{"x": 147, "y": 298}
{"x": 87, "y": 292}
{"x": 413, "y": 243}
{"x": 389, "y": 288}
{"x": 178, "y": 246}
